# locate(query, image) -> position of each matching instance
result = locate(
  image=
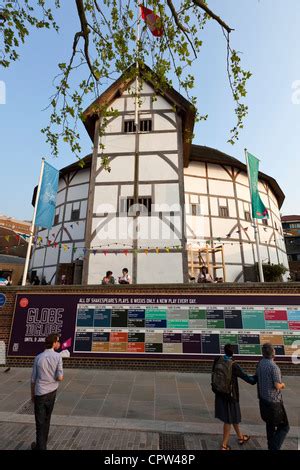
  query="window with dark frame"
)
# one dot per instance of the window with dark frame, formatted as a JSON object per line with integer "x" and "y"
{"x": 247, "y": 216}
{"x": 143, "y": 207}
{"x": 129, "y": 126}
{"x": 56, "y": 219}
{"x": 194, "y": 209}
{"x": 145, "y": 125}
{"x": 265, "y": 221}
{"x": 75, "y": 215}
{"x": 223, "y": 211}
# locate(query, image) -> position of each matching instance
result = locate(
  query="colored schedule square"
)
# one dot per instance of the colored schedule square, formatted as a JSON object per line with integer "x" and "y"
{"x": 273, "y": 339}
{"x": 288, "y": 340}
{"x": 276, "y": 315}
{"x": 100, "y": 347}
{"x": 136, "y": 347}
{"x": 178, "y": 314}
{"x": 191, "y": 343}
{"x": 210, "y": 343}
{"x": 214, "y": 314}
{"x": 119, "y": 318}
{"x": 293, "y": 315}
{"x": 153, "y": 347}
{"x": 195, "y": 314}
{"x": 172, "y": 348}
{"x": 279, "y": 350}
{"x": 291, "y": 344}
{"x": 250, "y": 349}
{"x": 136, "y": 337}
{"x": 118, "y": 347}
{"x": 197, "y": 324}
{"x": 101, "y": 337}
{"x": 154, "y": 337}
{"x": 118, "y": 337}
{"x": 228, "y": 339}
{"x": 294, "y": 325}
{"x": 136, "y": 318}
{"x": 156, "y": 323}
{"x": 248, "y": 339}
{"x": 172, "y": 338}
{"x": 253, "y": 319}
{"x": 277, "y": 325}
{"x": 183, "y": 324}
{"x": 233, "y": 319}
{"x": 220, "y": 324}
{"x": 102, "y": 318}
{"x": 156, "y": 315}
{"x": 85, "y": 317}
{"x": 83, "y": 342}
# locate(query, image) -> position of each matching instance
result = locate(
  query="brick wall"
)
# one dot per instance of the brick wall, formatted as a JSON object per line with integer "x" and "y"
{"x": 6, "y": 315}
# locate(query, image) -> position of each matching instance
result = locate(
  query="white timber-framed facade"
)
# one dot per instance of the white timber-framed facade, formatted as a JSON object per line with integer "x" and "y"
{"x": 162, "y": 196}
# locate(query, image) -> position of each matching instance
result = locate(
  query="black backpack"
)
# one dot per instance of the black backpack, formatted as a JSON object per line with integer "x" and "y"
{"x": 221, "y": 377}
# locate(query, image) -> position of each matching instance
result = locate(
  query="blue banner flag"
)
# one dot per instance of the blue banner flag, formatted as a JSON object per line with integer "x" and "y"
{"x": 47, "y": 198}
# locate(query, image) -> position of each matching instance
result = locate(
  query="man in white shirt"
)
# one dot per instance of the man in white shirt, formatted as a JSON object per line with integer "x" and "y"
{"x": 125, "y": 278}
{"x": 47, "y": 372}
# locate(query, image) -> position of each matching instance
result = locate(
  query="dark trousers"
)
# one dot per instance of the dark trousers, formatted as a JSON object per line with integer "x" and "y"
{"x": 276, "y": 435}
{"x": 43, "y": 406}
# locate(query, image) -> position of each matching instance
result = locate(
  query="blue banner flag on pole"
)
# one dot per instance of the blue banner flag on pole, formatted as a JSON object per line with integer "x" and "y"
{"x": 47, "y": 197}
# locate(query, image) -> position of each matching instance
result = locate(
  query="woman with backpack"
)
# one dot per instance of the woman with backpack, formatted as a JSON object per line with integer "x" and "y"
{"x": 225, "y": 386}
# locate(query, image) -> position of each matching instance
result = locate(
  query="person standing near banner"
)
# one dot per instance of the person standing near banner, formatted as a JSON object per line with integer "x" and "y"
{"x": 47, "y": 372}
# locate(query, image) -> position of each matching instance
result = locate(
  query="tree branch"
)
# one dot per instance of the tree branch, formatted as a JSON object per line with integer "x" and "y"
{"x": 85, "y": 31}
{"x": 175, "y": 16}
{"x": 201, "y": 4}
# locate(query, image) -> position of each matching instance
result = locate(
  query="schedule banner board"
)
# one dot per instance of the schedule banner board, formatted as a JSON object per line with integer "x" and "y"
{"x": 146, "y": 326}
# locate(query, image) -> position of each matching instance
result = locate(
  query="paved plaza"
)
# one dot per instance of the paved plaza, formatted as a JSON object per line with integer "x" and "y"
{"x": 133, "y": 410}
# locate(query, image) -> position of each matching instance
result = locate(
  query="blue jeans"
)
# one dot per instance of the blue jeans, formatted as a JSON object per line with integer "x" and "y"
{"x": 43, "y": 406}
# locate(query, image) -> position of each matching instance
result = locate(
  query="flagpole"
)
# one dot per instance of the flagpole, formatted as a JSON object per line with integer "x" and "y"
{"x": 33, "y": 224}
{"x": 136, "y": 120}
{"x": 254, "y": 220}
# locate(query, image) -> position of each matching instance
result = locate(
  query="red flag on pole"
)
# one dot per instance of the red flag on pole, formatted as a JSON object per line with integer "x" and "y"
{"x": 152, "y": 20}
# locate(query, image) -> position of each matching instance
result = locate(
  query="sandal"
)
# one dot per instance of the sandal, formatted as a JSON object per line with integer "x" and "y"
{"x": 244, "y": 439}
{"x": 225, "y": 448}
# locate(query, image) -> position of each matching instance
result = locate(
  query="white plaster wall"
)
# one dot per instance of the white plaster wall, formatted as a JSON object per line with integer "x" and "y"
{"x": 83, "y": 209}
{"x": 197, "y": 227}
{"x": 82, "y": 176}
{"x": 100, "y": 263}
{"x": 162, "y": 123}
{"x": 232, "y": 272}
{"x": 161, "y": 268}
{"x": 51, "y": 255}
{"x": 60, "y": 197}
{"x": 216, "y": 171}
{"x": 195, "y": 168}
{"x": 149, "y": 142}
{"x": 151, "y": 167}
{"x": 195, "y": 185}
{"x": 167, "y": 193}
{"x": 118, "y": 144}
{"x": 222, "y": 188}
{"x": 66, "y": 256}
{"x": 78, "y": 192}
{"x": 105, "y": 199}
{"x": 122, "y": 169}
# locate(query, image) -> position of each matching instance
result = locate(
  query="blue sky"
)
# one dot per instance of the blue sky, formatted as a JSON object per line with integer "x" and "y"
{"x": 268, "y": 36}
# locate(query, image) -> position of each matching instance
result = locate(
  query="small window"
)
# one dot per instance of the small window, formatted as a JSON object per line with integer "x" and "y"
{"x": 142, "y": 207}
{"x": 56, "y": 219}
{"x": 146, "y": 125}
{"x": 265, "y": 221}
{"x": 194, "y": 209}
{"x": 75, "y": 215}
{"x": 247, "y": 216}
{"x": 276, "y": 228}
{"x": 223, "y": 211}
{"x": 129, "y": 126}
